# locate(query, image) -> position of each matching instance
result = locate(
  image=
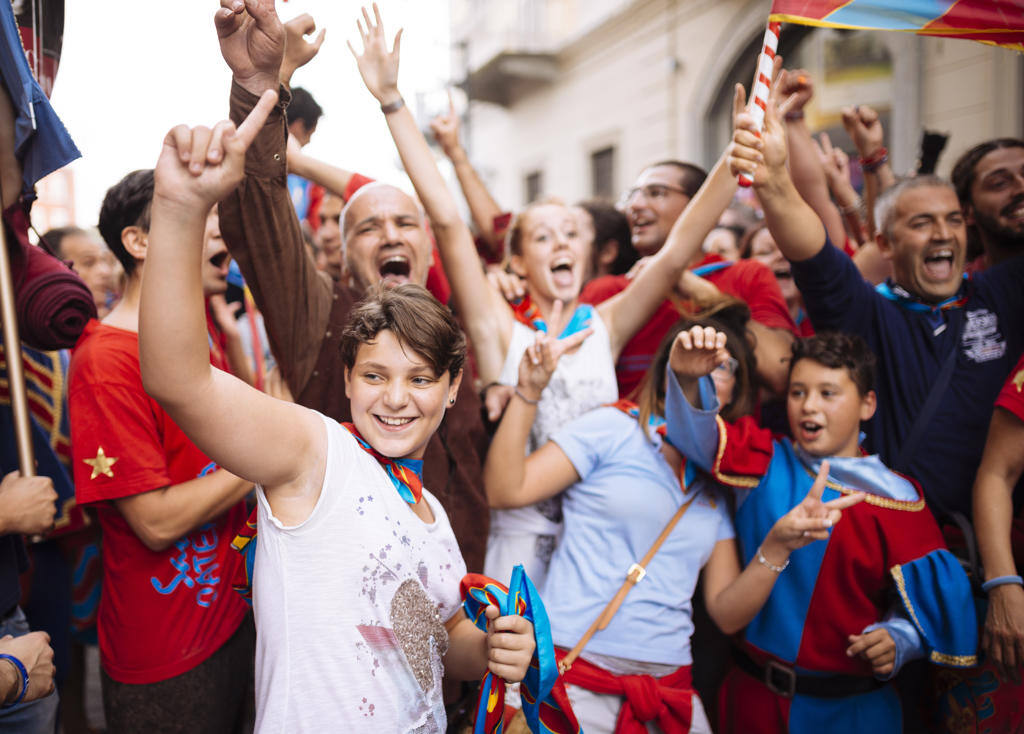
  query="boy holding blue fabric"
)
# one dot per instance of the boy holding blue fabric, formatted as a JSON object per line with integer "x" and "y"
{"x": 846, "y": 614}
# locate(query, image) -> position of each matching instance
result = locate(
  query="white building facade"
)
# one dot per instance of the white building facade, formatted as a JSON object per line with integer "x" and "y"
{"x": 574, "y": 97}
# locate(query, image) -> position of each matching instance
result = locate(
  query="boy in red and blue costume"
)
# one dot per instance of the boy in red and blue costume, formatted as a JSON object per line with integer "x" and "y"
{"x": 845, "y": 615}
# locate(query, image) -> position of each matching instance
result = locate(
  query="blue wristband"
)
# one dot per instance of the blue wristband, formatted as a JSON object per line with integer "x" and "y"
{"x": 1001, "y": 581}
{"x": 24, "y": 678}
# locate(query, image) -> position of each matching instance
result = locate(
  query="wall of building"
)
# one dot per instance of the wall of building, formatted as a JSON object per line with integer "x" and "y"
{"x": 644, "y": 76}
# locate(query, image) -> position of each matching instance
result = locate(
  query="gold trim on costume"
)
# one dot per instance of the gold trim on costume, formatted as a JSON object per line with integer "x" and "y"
{"x": 958, "y": 661}
{"x": 736, "y": 481}
{"x": 872, "y": 499}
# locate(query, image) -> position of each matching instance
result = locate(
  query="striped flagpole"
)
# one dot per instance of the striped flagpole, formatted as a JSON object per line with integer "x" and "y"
{"x": 762, "y": 85}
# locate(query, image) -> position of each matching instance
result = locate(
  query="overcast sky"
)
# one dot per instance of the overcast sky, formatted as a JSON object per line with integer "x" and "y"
{"x": 132, "y": 70}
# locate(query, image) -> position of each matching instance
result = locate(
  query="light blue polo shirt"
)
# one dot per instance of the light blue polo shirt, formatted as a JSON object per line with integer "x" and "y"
{"x": 624, "y": 499}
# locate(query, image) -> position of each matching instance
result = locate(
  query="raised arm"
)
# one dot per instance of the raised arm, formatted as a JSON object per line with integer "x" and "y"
{"x": 511, "y": 478}
{"x": 250, "y": 434}
{"x": 796, "y": 228}
{"x": 257, "y": 218}
{"x": 487, "y": 318}
{"x": 804, "y": 162}
{"x": 627, "y": 312}
{"x": 868, "y": 136}
{"x": 1001, "y": 467}
{"x": 482, "y": 206}
{"x": 297, "y": 50}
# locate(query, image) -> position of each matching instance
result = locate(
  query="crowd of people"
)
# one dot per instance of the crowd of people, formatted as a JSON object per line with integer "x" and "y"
{"x": 761, "y": 456}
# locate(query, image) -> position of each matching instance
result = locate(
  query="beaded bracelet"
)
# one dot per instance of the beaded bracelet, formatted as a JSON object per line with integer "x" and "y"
{"x": 768, "y": 564}
{"x": 875, "y": 161}
{"x": 1001, "y": 581}
{"x": 24, "y": 678}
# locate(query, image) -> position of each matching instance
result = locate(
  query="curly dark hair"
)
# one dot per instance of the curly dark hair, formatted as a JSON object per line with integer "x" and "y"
{"x": 837, "y": 350}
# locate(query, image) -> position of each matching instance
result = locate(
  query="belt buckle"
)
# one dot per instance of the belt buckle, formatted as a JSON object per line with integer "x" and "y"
{"x": 780, "y": 679}
{"x": 636, "y": 573}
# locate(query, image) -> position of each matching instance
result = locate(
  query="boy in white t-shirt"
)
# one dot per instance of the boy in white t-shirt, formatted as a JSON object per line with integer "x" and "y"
{"x": 355, "y": 592}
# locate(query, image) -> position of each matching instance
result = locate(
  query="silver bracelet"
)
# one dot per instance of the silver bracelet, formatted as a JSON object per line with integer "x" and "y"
{"x": 524, "y": 398}
{"x": 390, "y": 107}
{"x": 768, "y": 564}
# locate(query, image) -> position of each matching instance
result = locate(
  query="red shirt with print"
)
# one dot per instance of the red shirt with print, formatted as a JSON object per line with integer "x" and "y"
{"x": 161, "y": 613}
{"x": 748, "y": 280}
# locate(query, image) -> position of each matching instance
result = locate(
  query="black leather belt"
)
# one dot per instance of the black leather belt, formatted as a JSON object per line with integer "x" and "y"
{"x": 782, "y": 680}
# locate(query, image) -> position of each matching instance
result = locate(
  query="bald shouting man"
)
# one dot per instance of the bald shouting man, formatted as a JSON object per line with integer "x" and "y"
{"x": 384, "y": 241}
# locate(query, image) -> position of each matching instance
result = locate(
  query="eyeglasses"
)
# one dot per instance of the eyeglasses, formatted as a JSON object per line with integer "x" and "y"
{"x": 729, "y": 366}
{"x": 652, "y": 192}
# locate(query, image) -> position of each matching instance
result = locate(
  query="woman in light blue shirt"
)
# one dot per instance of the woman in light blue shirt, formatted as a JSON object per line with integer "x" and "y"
{"x": 622, "y": 483}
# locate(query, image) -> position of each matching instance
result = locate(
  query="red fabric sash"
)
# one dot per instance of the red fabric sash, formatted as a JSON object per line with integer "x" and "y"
{"x": 667, "y": 701}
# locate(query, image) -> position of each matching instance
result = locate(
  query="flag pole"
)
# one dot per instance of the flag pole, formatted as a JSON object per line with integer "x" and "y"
{"x": 15, "y": 372}
{"x": 762, "y": 85}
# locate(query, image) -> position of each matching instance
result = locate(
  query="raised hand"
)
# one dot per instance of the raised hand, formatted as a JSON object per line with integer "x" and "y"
{"x": 864, "y": 128}
{"x": 1003, "y": 636}
{"x": 509, "y": 285}
{"x": 297, "y": 50}
{"x": 761, "y": 154}
{"x": 697, "y": 351}
{"x": 877, "y": 648}
{"x": 510, "y": 645}
{"x": 377, "y": 66}
{"x": 26, "y": 504}
{"x": 812, "y": 519}
{"x": 541, "y": 358}
{"x": 834, "y": 160}
{"x": 795, "y": 83}
{"x": 199, "y": 166}
{"x": 446, "y": 129}
{"x": 252, "y": 41}
{"x": 223, "y": 314}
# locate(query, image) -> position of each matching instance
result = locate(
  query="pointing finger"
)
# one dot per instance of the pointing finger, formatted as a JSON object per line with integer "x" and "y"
{"x": 739, "y": 100}
{"x": 251, "y": 125}
{"x": 574, "y": 340}
{"x": 556, "y": 316}
{"x": 818, "y": 488}
{"x": 847, "y": 500}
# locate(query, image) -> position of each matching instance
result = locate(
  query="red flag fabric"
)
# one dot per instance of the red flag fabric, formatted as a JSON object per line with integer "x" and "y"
{"x": 997, "y": 22}
{"x": 52, "y": 302}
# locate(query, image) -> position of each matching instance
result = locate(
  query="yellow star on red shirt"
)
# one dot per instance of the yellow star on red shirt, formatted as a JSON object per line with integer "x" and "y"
{"x": 101, "y": 464}
{"x": 1018, "y": 380}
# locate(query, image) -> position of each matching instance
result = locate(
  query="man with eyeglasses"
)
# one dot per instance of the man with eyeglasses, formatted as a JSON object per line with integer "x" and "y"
{"x": 652, "y": 205}
{"x": 173, "y": 634}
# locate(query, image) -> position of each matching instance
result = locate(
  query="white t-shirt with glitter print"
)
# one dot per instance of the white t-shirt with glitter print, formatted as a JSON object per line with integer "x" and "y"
{"x": 350, "y": 605}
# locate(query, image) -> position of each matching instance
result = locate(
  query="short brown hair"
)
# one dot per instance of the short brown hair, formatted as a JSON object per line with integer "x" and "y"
{"x": 416, "y": 319}
{"x": 836, "y": 350}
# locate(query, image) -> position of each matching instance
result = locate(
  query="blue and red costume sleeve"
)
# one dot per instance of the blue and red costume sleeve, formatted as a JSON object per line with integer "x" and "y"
{"x": 545, "y": 704}
{"x": 736, "y": 454}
